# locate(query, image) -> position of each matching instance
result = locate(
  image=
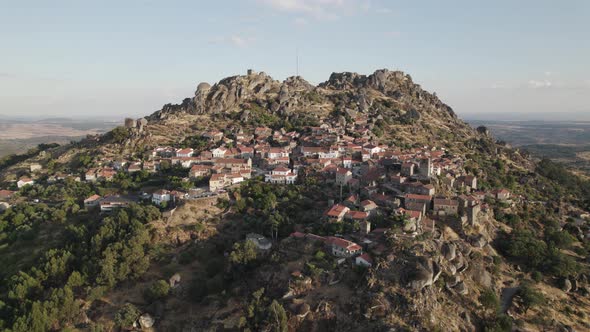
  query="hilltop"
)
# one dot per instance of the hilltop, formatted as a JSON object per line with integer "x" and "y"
{"x": 362, "y": 203}
{"x": 394, "y": 105}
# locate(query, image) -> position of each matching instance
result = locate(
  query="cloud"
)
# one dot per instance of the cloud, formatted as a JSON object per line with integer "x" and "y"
{"x": 301, "y": 21}
{"x": 234, "y": 40}
{"x": 318, "y": 9}
{"x": 499, "y": 85}
{"x": 538, "y": 84}
{"x": 384, "y": 11}
{"x": 239, "y": 41}
{"x": 393, "y": 34}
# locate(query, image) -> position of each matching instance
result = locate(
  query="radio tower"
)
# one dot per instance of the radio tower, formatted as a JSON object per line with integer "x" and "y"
{"x": 297, "y": 62}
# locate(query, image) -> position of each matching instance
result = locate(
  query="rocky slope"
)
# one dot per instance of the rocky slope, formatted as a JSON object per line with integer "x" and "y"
{"x": 402, "y": 112}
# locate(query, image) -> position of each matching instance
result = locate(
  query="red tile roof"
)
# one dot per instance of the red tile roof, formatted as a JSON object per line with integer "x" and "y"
{"x": 359, "y": 215}
{"x": 185, "y": 151}
{"x": 298, "y": 235}
{"x": 6, "y": 193}
{"x": 337, "y": 211}
{"x": 368, "y": 203}
{"x": 367, "y": 258}
{"x": 92, "y": 198}
{"x": 446, "y": 202}
{"x": 342, "y": 243}
{"x": 419, "y": 197}
{"x": 342, "y": 170}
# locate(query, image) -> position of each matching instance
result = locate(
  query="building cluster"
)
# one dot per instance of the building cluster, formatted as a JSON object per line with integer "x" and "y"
{"x": 420, "y": 184}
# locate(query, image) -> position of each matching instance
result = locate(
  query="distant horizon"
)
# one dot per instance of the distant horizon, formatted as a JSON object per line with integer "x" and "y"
{"x": 540, "y": 117}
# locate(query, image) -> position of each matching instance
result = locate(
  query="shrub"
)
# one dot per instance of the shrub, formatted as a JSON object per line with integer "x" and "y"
{"x": 198, "y": 289}
{"x": 157, "y": 291}
{"x": 522, "y": 245}
{"x": 561, "y": 265}
{"x": 530, "y": 297}
{"x": 186, "y": 257}
{"x": 127, "y": 315}
{"x": 489, "y": 300}
{"x": 119, "y": 134}
{"x": 561, "y": 239}
{"x": 320, "y": 255}
{"x": 500, "y": 323}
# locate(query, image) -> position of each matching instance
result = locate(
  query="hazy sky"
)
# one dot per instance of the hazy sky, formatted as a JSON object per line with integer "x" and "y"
{"x": 130, "y": 57}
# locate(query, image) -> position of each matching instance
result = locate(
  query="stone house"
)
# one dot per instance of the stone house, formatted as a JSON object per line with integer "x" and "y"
{"x": 336, "y": 213}
{"x": 24, "y": 181}
{"x": 161, "y": 196}
{"x": 343, "y": 248}
{"x": 446, "y": 206}
{"x": 343, "y": 175}
{"x": 92, "y": 201}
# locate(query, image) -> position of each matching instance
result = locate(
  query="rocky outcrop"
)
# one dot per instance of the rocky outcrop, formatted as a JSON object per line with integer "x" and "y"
{"x": 200, "y": 99}
{"x": 353, "y": 91}
{"x": 483, "y": 130}
{"x": 146, "y": 321}
{"x": 410, "y": 226}
{"x": 480, "y": 275}
{"x": 479, "y": 241}
{"x": 303, "y": 310}
{"x": 449, "y": 251}
{"x": 395, "y": 84}
{"x": 461, "y": 288}
{"x": 174, "y": 281}
{"x": 567, "y": 285}
{"x": 422, "y": 273}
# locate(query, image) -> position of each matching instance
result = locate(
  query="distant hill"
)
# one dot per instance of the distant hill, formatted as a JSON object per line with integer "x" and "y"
{"x": 20, "y": 134}
{"x": 563, "y": 141}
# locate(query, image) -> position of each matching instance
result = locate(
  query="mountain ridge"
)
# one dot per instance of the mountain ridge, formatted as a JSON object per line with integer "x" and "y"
{"x": 383, "y": 95}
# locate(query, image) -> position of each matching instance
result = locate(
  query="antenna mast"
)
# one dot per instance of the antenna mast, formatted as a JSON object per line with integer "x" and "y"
{"x": 297, "y": 62}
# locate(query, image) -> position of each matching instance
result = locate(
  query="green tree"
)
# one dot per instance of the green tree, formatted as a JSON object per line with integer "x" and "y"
{"x": 523, "y": 245}
{"x": 119, "y": 134}
{"x": 489, "y": 300}
{"x": 59, "y": 216}
{"x": 255, "y": 310}
{"x": 243, "y": 253}
{"x": 560, "y": 239}
{"x": 498, "y": 323}
{"x": 530, "y": 297}
{"x": 560, "y": 264}
{"x": 157, "y": 291}
{"x": 36, "y": 320}
{"x": 277, "y": 317}
{"x": 127, "y": 315}
{"x": 537, "y": 276}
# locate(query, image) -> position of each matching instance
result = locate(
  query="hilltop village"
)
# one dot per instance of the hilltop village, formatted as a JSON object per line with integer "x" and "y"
{"x": 420, "y": 185}
{"x": 362, "y": 203}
